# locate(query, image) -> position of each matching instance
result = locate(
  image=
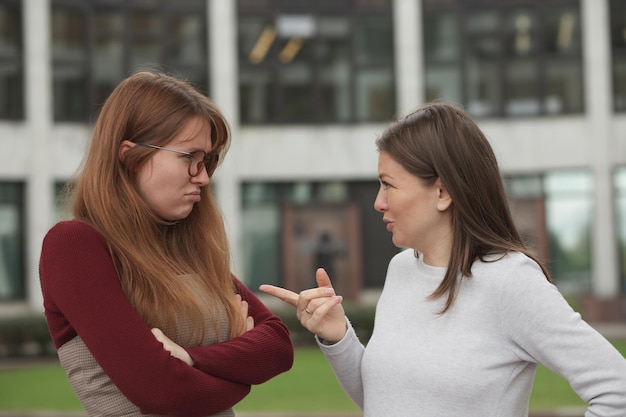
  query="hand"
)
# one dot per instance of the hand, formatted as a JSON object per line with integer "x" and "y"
{"x": 248, "y": 321}
{"x": 318, "y": 309}
{"x": 174, "y": 349}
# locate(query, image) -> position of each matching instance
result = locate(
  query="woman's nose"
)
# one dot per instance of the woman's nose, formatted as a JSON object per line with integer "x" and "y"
{"x": 380, "y": 204}
{"x": 202, "y": 178}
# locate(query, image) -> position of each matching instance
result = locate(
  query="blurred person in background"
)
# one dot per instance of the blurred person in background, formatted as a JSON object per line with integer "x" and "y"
{"x": 143, "y": 309}
{"x": 467, "y": 311}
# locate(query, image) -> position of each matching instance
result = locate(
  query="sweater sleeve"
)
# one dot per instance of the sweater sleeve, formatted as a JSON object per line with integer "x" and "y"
{"x": 264, "y": 352}
{"x": 545, "y": 329}
{"x": 345, "y": 359}
{"x": 83, "y": 297}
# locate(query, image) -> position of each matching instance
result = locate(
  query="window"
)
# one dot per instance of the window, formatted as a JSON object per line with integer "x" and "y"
{"x": 291, "y": 218}
{"x": 11, "y": 66}
{"x": 315, "y": 62}
{"x": 12, "y": 285}
{"x": 553, "y": 212}
{"x": 96, "y": 43}
{"x": 508, "y": 59}
{"x": 618, "y": 47}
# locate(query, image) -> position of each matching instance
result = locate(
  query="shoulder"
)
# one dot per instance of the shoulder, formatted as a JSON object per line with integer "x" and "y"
{"x": 505, "y": 265}
{"x": 71, "y": 228}
{"x": 72, "y": 233}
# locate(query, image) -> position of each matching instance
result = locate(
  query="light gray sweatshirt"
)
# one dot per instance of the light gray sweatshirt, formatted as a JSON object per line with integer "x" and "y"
{"x": 479, "y": 358}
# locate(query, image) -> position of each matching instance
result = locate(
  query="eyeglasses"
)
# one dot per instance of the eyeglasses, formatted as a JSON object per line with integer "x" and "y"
{"x": 197, "y": 159}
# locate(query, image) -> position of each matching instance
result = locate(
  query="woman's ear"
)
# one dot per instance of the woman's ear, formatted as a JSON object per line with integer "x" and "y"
{"x": 124, "y": 147}
{"x": 444, "y": 200}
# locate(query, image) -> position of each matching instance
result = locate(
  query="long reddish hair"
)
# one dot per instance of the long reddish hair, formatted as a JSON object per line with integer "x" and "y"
{"x": 151, "y": 253}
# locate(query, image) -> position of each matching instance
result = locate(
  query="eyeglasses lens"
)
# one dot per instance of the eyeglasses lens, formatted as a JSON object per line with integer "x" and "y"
{"x": 200, "y": 159}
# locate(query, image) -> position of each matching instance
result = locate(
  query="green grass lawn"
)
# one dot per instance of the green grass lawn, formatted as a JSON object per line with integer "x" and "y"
{"x": 310, "y": 386}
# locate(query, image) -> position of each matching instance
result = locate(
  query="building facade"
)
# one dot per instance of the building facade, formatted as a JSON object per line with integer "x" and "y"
{"x": 307, "y": 86}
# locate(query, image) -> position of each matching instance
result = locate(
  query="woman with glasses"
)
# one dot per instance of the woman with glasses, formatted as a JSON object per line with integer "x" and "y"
{"x": 467, "y": 311}
{"x": 139, "y": 298}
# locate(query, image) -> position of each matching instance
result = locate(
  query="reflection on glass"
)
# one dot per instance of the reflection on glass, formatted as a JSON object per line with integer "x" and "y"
{"x": 256, "y": 96}
{"x": 374, "y": 95}
{"x": 562, "y": 31}
{"x": 11, "y": 95}
{"x": 335, "y": 88}
{"x": 297, "y": 92}
{"x": 565, "y": 88}
{"x": 512, "y": 61}
{"x": 619, "y": 84}
{"x": 145, "y": 24}
{"x": 443, "y": 81}
{"x": 483, "y": 90}
{"x": 321, "y": 62}
{"x": 186, "y": 38}
{"x": 522, "y": 89}
{"x": 373, "y": 38}
{"x": 108, "y": 66}
{"x": 11, "y": 250}
{"x": 521, "y": 27}
{"x": 569, "y": 204}
{"x": 108, "y": 22}
{"x": 144, "y": 52}
{"x": 67, "y": 35}
{"x": 441, "y": 37}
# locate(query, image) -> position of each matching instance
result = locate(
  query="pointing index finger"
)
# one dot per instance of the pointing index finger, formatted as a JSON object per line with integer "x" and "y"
{"x": 287, "y": 296}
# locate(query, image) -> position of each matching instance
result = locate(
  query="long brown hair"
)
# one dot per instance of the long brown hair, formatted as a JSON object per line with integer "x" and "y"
{"x": 441, "y": 140}
{"x": 151, "y": 253}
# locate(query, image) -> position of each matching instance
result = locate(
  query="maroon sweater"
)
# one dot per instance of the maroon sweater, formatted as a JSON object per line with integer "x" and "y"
{"x": 83, "y": 297}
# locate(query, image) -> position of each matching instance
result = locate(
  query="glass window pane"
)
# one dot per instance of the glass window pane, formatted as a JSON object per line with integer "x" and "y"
{"x": 254, "y": 41}
{"x": 67, "y": 35}
{"x": 483, "y": 76}
{"x": 11, "y": 79}
{"x": 336, "y": 93}
{"x": 11, "y": 94}
{"x": 109, "y": 22}
{"x": 186, "y": 35}
{"x": 374, "y": 95}
{"x": 108, "y": 66}
{"x": 522, "y": 38}
{"x": 144, "y": 53}
{"x": 317, "y": 61}
{"x": 619, "y": 84}
{"x": 11, "y": 242}
{"x": 569, "y": 205}
{"x": 562, "y": 31}
{"x": 374, "y": 40}
{"x": 443, "y": 81}
{"x": 482, "y": 22}
{"x": 565, "y": 88}
{"x": 522, "y": 89}
{"x": 441, "y": 37}
{"x": 333, "y": 52}
{"x": 618, "y": 25}
{"x": 256, "y": 96}
{"x": 145, "y": 24}
{"x": 297, "y": 88}
{"x": 123, "y": 37}
{"x": 70, "y": 100}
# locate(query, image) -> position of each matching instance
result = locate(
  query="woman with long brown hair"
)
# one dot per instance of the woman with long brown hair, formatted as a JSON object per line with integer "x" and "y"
{"x": 143, "y": 309}
{"x": 467, "y": 312}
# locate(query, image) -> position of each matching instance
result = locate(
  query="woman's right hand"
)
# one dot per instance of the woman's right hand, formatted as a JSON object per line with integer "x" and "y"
{"x": 318, "y": 309}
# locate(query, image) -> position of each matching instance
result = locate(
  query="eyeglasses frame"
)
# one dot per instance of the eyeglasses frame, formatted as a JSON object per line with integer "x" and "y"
{"x": 211, "y": 158}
